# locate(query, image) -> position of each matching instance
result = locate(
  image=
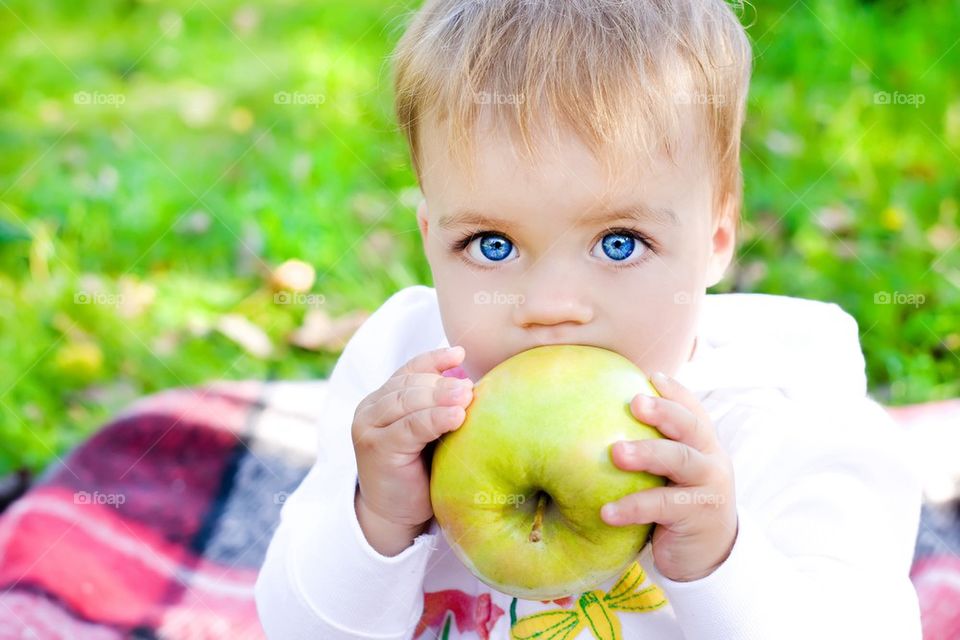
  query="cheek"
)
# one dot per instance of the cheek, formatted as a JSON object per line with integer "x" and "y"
{"x": 467, "y": 321}
{"x": 655, "y": 328}
{"x": 661, "y": 343}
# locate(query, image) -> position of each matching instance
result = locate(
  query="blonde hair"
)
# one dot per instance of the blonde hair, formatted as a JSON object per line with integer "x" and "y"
{"x": 615, "y": 72}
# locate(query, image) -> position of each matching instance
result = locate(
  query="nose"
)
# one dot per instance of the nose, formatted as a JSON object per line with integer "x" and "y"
{"x": 550, "y": 304}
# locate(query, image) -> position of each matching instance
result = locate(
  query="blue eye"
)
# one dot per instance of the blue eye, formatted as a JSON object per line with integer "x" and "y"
{"x": 618, "y": 246}
{"x": 495, "y": 247}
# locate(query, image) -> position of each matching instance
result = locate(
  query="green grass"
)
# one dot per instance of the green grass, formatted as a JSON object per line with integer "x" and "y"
{"x": 143, "y": 156}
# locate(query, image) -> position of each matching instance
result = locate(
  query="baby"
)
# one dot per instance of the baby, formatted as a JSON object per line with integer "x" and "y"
{"x": 579, "y": 162}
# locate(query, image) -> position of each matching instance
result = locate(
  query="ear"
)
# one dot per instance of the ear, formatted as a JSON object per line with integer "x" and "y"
{"x": 423, "y": 221}
{"x": 723, "y": 241}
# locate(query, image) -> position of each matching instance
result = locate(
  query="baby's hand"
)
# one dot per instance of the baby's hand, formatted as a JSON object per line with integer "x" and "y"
{"x": 696, "y": 512}
{"x": 391, "y": 428}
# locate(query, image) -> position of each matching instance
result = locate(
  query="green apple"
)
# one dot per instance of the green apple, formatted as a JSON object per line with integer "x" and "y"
{"x": 517, "y": 489}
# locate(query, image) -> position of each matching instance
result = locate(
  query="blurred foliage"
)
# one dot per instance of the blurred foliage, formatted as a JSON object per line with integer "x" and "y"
{"x": 158, "y": 161}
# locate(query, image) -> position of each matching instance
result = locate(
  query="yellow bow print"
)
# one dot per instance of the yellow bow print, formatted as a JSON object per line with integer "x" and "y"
{"x": 595, "y": 610}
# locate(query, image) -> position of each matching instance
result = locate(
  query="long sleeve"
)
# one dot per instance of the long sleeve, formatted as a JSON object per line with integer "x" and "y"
{"x": 829, "y": 502}
{"x": 321, "y": 578}
{"x": 827, "y": 489}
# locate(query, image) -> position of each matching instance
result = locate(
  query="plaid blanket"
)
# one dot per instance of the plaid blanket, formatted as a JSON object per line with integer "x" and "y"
{"x": 156, "y": 526}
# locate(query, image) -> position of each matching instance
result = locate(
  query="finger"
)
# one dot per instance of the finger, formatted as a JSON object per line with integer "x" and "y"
{"x": 671, "y": 389}
{"x": 422, "y": 380}
{"x": 680, "y": 463}
{"x": 676, "y": 420}
{"x": 392, "y": 406}
{"x": 415, "y": 430}
{"x": 661, "y": 505}
{"x": 436, "y": 361}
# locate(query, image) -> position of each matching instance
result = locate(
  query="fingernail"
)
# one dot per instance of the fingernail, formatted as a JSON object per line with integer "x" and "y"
{"x": 630, "y": 448}
{"x": 659, "y": 378}
{"x": 645, "y": 403}
{"x": 609, "y": 511}
{"x": 455, "y": 372}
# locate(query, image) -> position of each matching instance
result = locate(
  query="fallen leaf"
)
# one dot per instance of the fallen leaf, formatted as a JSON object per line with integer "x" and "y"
{"x": 245, "y": 333}
{"x": 746, "y": 276}
{"x": 293, "y": 275}
{"x": 135, "y": 297}
{"x": 368, "y": 208}
{"x": 198, "y": 106}
{"x": 941, "y": 237}
{"x": 300, "y": 167}
{"x": 114, "y": 394}
{"x": 321, "y": 332}
{"x": 193, "y": 223}
{"x": 166, "y": 344}
{"x": 783, "y": 144}
{"x": 246, "y": 19}
{"x": 836, "y": 218}
{"x": 378, "y": 248}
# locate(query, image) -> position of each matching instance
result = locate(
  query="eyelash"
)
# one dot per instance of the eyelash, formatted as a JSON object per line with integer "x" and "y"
{"x": 460, "y": 245}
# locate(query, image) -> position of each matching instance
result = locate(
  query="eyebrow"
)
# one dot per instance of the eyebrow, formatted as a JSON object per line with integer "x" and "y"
{"x": 637, "y": 213}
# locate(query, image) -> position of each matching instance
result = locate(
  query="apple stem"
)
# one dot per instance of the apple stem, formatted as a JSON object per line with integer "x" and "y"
{"x": 538, "y": 518}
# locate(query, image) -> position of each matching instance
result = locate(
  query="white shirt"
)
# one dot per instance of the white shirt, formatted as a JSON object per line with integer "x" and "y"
{"x": 828, "y": 499}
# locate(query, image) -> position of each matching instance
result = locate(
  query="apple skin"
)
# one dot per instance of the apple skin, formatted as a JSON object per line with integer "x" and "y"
{"x": 538, "y": 432}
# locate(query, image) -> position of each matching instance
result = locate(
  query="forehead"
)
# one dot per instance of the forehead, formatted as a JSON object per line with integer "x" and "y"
{"x": 563, "y": 172}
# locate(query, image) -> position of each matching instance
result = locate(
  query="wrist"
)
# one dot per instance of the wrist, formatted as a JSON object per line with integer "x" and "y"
{"x": 713, "y": 567}
{"x": 387, "y": 538}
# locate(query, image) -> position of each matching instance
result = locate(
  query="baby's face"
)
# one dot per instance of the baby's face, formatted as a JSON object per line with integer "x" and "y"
{"x": 528, "y": 256}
